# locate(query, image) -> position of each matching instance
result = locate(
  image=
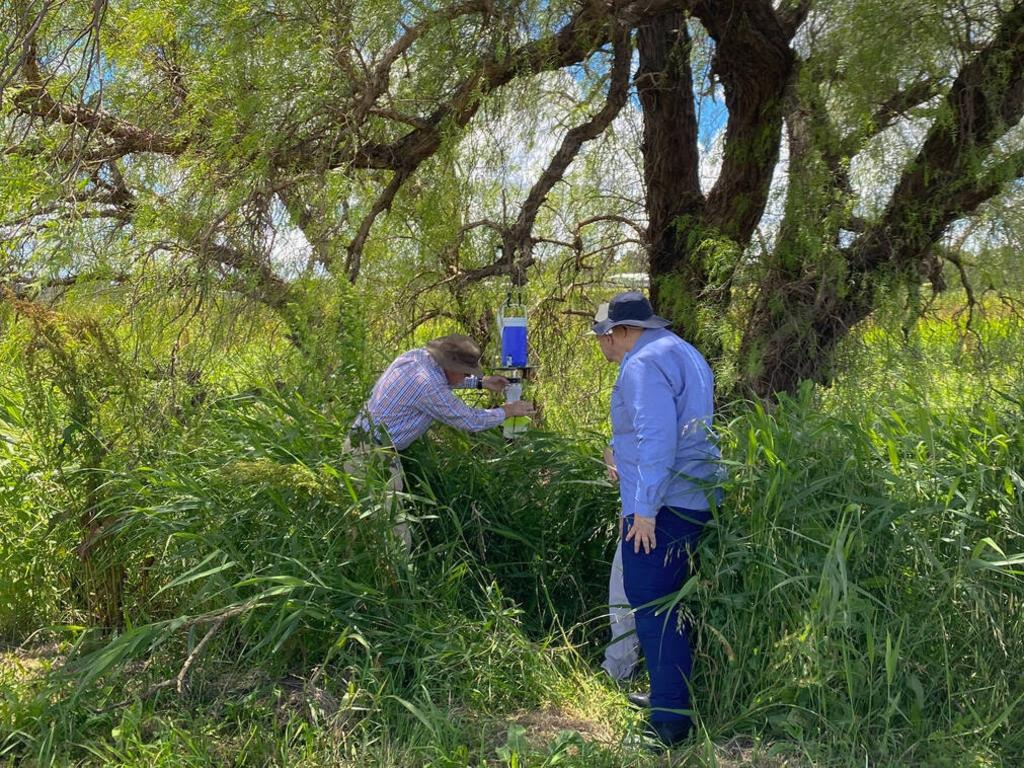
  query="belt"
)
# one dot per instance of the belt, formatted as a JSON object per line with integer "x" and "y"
{"x": 359, "y": 435}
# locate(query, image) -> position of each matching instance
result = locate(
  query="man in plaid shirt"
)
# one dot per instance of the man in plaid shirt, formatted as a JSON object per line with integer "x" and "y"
{"x": 413, "y": 393}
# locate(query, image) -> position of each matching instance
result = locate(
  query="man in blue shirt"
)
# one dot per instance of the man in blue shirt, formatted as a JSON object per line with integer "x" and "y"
{"x": 666, "y": 458}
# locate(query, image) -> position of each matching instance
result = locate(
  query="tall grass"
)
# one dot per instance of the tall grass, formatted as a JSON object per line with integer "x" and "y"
{"x": 36, "y": 554}
{"x": 858, "y": 598}
{"x": 860, "y": 591}
{"x": 250, "y": 549}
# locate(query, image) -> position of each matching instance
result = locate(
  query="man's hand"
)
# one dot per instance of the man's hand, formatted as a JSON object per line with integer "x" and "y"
{"x": 494, "y": 383}
{"x": 641, "y": 533}
{"x": 518, "y": 408}
{"x": 609, "y": 464}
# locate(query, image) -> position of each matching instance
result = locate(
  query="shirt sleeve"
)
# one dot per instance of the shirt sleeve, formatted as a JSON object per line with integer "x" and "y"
{"x": 439, "y": 403}
{"x": 650, "y": 403}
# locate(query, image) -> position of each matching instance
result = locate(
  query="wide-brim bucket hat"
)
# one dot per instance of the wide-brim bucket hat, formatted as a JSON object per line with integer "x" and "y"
{"x": 456, "y": 352}
{"x": 630, "y": 308}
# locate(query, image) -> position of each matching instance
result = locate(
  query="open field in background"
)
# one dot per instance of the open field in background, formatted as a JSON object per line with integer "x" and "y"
{"x": 858, "y": 602}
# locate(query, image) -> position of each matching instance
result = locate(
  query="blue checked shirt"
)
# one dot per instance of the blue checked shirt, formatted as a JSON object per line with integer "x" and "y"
{"x": 411, "y": 395}
{"x": 662, "y": 405}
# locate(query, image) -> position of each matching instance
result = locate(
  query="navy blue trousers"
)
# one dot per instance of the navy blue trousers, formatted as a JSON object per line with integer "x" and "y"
{"x": 650, "y": 577}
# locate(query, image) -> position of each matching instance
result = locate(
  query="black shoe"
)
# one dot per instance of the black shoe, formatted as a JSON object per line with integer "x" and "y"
{"x": 674, "y": 732}
{"x": 658, "y": 737}
{"x": 640, "y": 700}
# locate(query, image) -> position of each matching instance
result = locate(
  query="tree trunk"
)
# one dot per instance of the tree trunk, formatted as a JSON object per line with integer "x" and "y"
{"x": 697, "y": 242}
{"x": 664, "y": 84}
{"x": 814, "y": 290}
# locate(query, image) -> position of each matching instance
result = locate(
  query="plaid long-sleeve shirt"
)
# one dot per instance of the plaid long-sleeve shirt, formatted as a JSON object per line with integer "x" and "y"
{"x": 412, "y": 394}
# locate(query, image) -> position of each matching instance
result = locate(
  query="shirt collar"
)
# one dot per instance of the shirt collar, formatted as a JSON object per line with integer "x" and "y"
{"x": 432, "y": 366}
{"x": 645, "y": 338}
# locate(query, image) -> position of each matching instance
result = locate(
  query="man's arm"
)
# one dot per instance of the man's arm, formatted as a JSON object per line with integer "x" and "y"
{"x": 470, "y": 382}
{"x": 651, "y": 404}
{"x": 491, "y": 383}
{"x": 609, "y": 464}
{"x": 439, "y": 403}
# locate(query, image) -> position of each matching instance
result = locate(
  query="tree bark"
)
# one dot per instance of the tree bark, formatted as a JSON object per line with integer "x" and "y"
{"x": 664, "y": 85}
{"x": 697, "y": 242}
{"x": 810, "y": 300}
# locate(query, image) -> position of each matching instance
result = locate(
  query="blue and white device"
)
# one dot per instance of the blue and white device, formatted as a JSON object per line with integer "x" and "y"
{"x": 512, "y": 328}
{"x": 514, "y": 358}
{"x": 513, "y": 342}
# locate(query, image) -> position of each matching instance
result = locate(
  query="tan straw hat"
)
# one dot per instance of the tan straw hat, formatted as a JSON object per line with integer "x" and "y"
{"x": 456, "y": 352}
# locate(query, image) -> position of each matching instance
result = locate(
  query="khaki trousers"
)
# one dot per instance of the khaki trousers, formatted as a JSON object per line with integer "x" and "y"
{"x": 366, "y": 460}
{"x": 623, "y": 652}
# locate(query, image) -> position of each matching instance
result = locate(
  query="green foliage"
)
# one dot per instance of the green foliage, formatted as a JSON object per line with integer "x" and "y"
{"x": 856, "y": 598}
{"x": 176, "y": 520}
{"x": 862, "y": 576}
{"x": 692, "y": 296}
{"x": 254, "y": 530}
{"x": 33, "y": 554}
{"x": 535, "y": 515}
{"x": 875, "y": 47}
